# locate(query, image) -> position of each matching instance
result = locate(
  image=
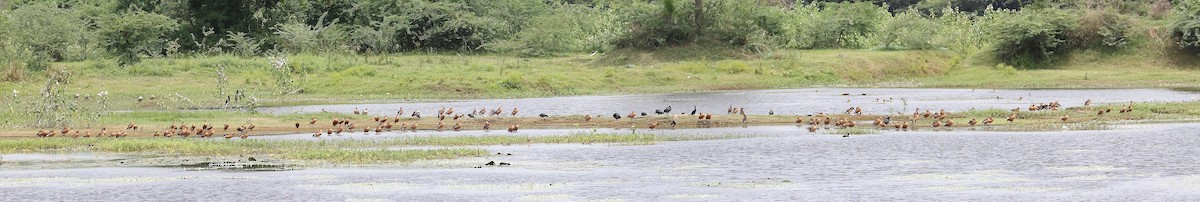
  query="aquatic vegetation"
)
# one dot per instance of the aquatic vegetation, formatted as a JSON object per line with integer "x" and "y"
{"x": 333, "y": 151}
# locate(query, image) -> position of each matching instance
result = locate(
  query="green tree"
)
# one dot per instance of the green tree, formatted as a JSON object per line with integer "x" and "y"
{"x": 53, "y": 33}
{"x": 135, "y": 33}
{"x": 1030, "y": 38}
{"x": 1185, "y": 28}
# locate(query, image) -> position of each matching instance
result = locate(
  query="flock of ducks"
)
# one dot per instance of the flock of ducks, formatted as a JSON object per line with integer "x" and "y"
{"x": 338, "y": 126}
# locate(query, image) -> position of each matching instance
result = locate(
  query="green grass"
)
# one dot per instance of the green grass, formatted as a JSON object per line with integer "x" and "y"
{"x": 191, "y": 82}
{"x": 340, "y": 151}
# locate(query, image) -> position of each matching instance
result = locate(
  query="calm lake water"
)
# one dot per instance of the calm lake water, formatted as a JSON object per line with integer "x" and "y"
{"x": 1140, "y": 162}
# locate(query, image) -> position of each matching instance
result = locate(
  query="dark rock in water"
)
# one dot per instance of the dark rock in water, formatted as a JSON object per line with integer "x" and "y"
{"x": 490, "y": 163}
{"x": 252, "y": 159}
{"x": 643, "y": 113}
{"x": 510, "y": 154}
{"x": 543, "y": 115}
{"x": 478, "y": 167}
{"x": 497, "y": 153}
{"x": 504, "y": 164}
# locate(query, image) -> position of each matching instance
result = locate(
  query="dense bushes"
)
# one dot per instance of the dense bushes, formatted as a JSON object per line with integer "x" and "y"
{"x": 1101, "y": 30}
{"x": 1030, "y": 38}
{"x": 1185, "y": 29}
{"x": 135, "y": 33}
{"x": 1022, "y": 33}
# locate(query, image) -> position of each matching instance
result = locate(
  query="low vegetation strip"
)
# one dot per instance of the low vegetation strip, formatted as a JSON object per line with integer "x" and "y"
{"x": 333, "y": 151}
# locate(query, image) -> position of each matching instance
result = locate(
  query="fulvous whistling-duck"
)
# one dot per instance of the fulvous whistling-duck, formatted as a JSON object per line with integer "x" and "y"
{"x": 812, "y": 128}
{"x": 487, "y": 125}
{"x": 937, "y": 123}
{"x": 229, "y": 136}
{"x": 413, "y": 127}
{"x": 1100, "y": 112}
{"x": 356, "y": 110}
{"x": 949, "y": 123}
{"x": 440, "y": 125}
{"x": 653, "y": 125}
{"x": 1012, "y": 117}
{"x": 457, "y": 126}
{"x": 1065, "y": 117}
{"x": 587, "y": 118}
{"x": 972, "y": 122}
{"x": 513, "y": 128}
{"x": 1087, "y": 103}
{"x": 631, "y": 115}
{"x": 313, "y": 121}
{"x": 799, "y": 120}
{"x": 707, "y": 116}
{"x": 245, "y": 135}
{"x": 514, "y": 111}
{"x": 987, "y": 121}
{"x": 377, "y": 118}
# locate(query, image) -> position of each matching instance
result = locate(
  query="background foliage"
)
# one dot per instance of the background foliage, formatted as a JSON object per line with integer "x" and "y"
{"x": 1022, "y": 33}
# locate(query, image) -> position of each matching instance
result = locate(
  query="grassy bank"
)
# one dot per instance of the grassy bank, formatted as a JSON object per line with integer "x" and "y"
{"x": 341, "y": 151}
{"x": 193, "y": 83}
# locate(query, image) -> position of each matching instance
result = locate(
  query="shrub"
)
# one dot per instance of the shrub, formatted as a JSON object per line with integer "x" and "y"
{"x": 1185, "y": 28}
{"x": 324, "y": 36}
{"x": 837, "y": 25}
{"x": 908, "y": 30}
{"x": 135, "y": 33}
{"x": 1101, "y": 29}
{"x": 52, "y": 33}
{"x": 1160, "y": 9}
{"x": 1029, "y": 38}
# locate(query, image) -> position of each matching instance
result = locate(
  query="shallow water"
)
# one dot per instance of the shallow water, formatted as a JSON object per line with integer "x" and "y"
{"x": 789, "y": 101}
{"x": 1145, "y": 163}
